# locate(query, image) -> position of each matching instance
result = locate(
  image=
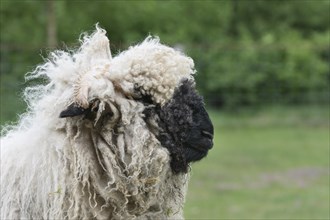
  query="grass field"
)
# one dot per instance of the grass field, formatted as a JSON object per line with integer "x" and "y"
{"x": 265, "y": 164}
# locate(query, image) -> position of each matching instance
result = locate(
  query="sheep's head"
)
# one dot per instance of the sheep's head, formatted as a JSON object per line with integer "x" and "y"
{"x": 187, "y": 130}
{"x": 185, "y": 127}
{"x": 159, "y": 79}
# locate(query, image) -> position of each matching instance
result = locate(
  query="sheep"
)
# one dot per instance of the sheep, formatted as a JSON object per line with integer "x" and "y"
{"x": 105, "y": 138}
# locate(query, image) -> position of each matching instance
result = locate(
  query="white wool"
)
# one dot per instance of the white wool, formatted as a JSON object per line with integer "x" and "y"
{"x": 113, "y": 167}
{"x": 158, "y": 69}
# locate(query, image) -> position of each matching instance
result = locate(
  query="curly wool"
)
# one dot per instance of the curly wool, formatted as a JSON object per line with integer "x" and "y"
{"x": 159, "y": 76}
{"x": 112, "y": 166}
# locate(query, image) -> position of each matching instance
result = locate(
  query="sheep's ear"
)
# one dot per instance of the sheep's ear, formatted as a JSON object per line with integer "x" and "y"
{"x": 73, "y": 110}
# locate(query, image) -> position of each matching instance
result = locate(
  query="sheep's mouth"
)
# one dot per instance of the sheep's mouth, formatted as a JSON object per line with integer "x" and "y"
{"x": 194, "y": 154}
{"x": 197, "y": 151}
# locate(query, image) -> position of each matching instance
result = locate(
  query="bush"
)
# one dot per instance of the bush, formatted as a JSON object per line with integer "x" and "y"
{"x": 246, "y": 52}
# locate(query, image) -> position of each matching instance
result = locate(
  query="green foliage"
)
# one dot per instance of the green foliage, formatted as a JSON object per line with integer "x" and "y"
{"x": 271, "y": 53}
{"x": 246, "y": 52}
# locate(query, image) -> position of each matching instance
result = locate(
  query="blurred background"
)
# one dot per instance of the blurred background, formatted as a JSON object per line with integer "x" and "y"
{"x": 263, "y": 69}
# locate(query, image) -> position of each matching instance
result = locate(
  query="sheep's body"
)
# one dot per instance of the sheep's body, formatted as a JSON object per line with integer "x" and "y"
{"x": 110, "y": 167}
{"x": 59, "y": 175}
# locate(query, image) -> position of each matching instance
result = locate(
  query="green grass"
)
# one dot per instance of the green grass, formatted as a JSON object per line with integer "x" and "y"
{"x": 265, "y": 164}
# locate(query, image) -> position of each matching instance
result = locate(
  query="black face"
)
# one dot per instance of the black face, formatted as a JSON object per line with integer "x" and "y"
{"x": 187, "y": 131}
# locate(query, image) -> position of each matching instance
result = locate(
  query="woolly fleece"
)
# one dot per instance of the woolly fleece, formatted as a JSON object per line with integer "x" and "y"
{"x": 110, "y": 166}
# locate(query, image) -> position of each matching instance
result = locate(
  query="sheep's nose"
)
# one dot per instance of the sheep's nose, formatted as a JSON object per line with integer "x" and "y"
{"x": 209, "y": 136}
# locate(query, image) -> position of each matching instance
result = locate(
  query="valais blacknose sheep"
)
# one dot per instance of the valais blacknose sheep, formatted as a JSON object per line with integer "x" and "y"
{"x": 105, "y": 138}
